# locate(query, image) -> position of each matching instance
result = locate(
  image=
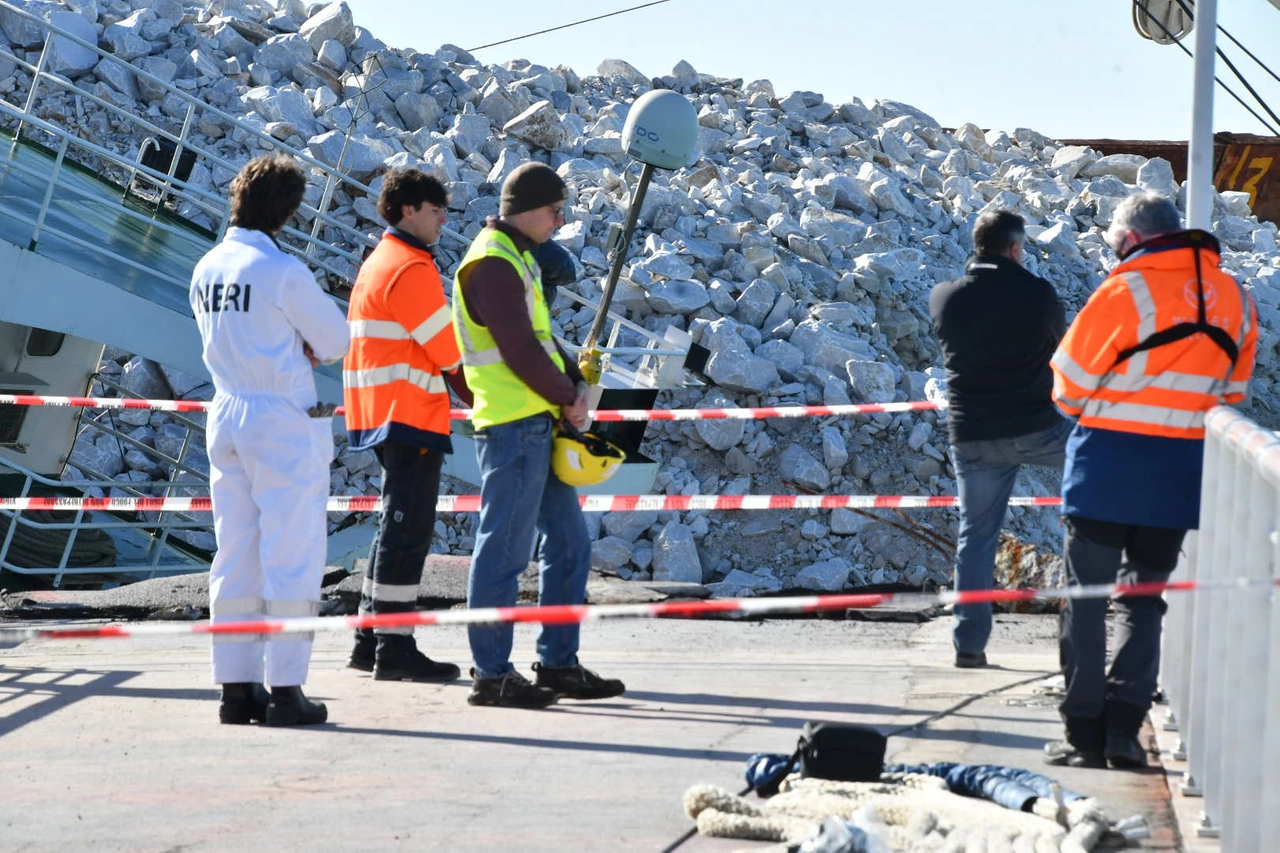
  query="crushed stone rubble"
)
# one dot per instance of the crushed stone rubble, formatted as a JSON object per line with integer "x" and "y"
{"x": 799, "y": 248}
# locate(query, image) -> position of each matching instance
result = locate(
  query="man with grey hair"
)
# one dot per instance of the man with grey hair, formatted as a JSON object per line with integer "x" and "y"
{"x": 1166, "y": 337}
{"x": 998, "y": 326}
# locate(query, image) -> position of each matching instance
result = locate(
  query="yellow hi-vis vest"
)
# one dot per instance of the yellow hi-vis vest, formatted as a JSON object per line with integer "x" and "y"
{"x": 500, "y": 395}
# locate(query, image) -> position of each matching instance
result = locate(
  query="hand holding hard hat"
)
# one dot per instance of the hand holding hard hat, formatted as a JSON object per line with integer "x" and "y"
{"x": 583, "y": 459}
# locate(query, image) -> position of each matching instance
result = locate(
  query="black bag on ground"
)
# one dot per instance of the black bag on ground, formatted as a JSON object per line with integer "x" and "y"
{"x": 842, "y": 752}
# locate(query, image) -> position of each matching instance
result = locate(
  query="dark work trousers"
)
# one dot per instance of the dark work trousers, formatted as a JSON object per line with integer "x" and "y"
{"x": 1103, "y": 552}
{"x": 410, "y": 489}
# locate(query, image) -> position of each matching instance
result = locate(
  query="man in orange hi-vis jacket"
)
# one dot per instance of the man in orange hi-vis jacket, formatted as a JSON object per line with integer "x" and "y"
{"x": 396, "y": 379}
{"x": 1167, "y": 336}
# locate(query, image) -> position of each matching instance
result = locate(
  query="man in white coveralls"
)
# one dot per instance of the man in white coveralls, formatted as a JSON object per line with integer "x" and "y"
{"x": 265, "y": 324}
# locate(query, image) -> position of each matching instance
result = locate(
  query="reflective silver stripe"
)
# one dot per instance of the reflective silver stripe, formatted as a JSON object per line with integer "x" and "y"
{"x": 1169, "y": 380}
{"x": 383, "y": 329}
{"x": 482, "y": 359}
{"x": 1146, "y": 307}
{"x": 1246, "y": 316}
{"x": 394, "y": 592}
{"x": 1144, "y": 414}
{"x": 487, "y": 357}
{"x": 238, "y": 638}
{"x": 432, "y": 326}
{"x": 1073, "y": 371}
{"x": 1072, "y": 402}
{"x": 432, "y": 383}
{"x": 406, "y": 631}
{"x": 472, "y": 357}
{"x": 527, "y": 275}
{"x": 238, "y": 606}
{"x": 286, "y": 609}
{"x": 468, "y": 348}
{"x": 1246, "y": 324}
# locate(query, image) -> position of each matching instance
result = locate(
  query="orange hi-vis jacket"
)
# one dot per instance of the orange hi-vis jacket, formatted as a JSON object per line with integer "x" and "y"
{"x": 1105, "y": 378}
{"x": 401, "y": 342}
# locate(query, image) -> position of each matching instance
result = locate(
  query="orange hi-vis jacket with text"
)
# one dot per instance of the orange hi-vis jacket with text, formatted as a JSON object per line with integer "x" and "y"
{"x": 401, "y": 343}
{"x": 1165, "y": 338}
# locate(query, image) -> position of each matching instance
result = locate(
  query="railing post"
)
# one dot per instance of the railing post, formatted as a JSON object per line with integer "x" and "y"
{"x": 48, "y": 194}
{"x": 35, "y": 84}
{"x": 1220, "y": 638}
{"x": 1199, "y": 616}
{"x": 66, "y": 549}
{"x": 159, "y": 544}
{"x": 13, "y": 521}
{"x": 1175, "y": 654}
{"x": 180, "y": 146}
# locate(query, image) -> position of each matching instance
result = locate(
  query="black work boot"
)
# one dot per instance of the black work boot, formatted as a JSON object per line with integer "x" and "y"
{"x": 512, "y": 690}
{"x": 290, "y": 708}
{"x": 398, "y": 659}
{"x": 1082, "y": 746}
{"x": 243, "y": 703}
{"x": 577, "y": 682}
{"x": 1123, "y": 749}
{"x": 971, "y": 660}
{"x": 364, "y": 651}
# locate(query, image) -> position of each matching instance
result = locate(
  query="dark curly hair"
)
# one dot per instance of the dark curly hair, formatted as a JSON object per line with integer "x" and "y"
{"x": 412, "y": 187}
{"x": 266, "y": 192}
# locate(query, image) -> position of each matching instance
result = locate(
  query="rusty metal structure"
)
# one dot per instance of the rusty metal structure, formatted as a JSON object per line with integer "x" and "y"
{"x": 1241, "y": 161}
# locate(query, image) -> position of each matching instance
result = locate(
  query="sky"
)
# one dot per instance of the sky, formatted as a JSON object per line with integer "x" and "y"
{"x": 1071, "y": 69}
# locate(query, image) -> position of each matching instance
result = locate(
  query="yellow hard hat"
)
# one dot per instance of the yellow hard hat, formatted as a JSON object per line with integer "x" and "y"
{"x": 584, "y": 459}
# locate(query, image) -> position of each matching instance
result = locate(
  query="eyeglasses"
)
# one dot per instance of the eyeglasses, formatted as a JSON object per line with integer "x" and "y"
{"x": 557, "y": 212}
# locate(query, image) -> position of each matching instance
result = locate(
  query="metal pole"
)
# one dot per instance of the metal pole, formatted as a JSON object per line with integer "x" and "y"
{"x": 35, "y": 84}
{"x": 1200, "y": 149}
{"x": 591, "y": 360}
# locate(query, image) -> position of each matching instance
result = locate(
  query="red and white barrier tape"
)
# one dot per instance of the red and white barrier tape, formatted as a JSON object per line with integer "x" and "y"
{"x": 590, "y": 503}
{"x": 464, "y": 414}
{"x": 577, "y": 614}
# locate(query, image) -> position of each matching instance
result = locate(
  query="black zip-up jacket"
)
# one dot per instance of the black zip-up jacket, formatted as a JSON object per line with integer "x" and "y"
{"x": 998, "y": 325}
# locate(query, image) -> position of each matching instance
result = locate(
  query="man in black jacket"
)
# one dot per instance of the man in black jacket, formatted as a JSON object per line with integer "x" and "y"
{"x": 998, "y": 325}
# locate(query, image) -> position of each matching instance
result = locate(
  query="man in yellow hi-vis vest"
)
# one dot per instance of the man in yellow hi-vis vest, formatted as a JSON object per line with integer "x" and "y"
{"x": 523, "y": 384}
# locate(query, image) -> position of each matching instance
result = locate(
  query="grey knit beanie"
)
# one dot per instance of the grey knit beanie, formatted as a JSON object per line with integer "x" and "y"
{"x": 530, "y": 186}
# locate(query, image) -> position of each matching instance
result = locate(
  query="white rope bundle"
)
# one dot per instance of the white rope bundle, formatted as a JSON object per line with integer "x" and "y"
{"x": 912, "y": 811}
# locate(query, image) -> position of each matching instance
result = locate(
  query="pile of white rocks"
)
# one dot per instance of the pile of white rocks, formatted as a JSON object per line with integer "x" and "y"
{"x": 799, "y": 248}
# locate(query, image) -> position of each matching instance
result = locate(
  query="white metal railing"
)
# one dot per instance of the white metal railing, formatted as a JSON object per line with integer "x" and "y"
{"x": 1221, "y": 661}
{"x": 332, "y": 247}
{"x": 334, "y": 251}
{"x": 148, "y": 535}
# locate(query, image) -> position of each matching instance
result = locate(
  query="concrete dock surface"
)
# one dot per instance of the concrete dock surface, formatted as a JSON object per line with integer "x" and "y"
{"x": 114, "y": 744}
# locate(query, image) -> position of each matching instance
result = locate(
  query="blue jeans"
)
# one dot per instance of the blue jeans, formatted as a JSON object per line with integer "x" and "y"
{"x": 985, "y": 471}
{"x": 519, "y": 495}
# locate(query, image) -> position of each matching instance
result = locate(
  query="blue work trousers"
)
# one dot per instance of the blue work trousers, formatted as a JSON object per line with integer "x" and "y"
{"x": 1104, "y": 552}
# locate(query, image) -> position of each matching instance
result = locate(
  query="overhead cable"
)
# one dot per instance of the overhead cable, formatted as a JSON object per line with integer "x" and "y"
{"x": 1218, "y": 80}
{"x": 1248, "y": 53}
{"x": 567, "y": 26}
{"x": 1189, "y": 11}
